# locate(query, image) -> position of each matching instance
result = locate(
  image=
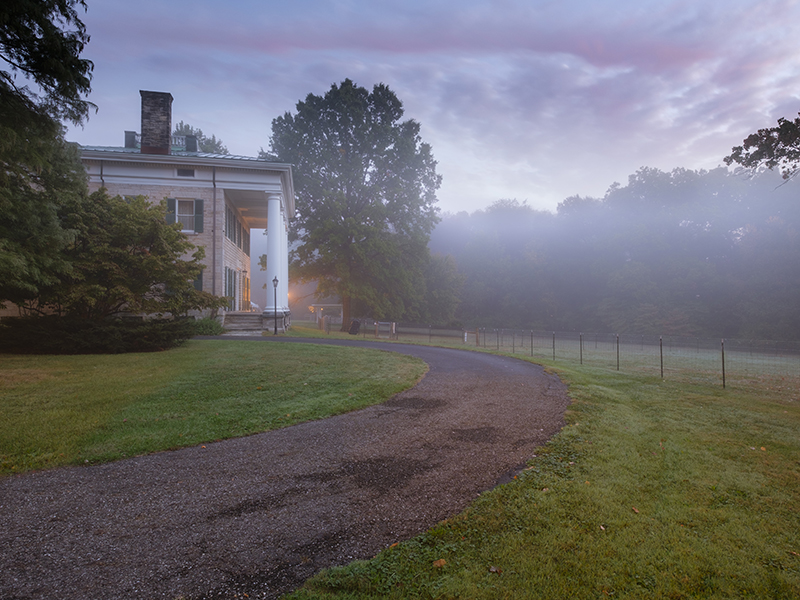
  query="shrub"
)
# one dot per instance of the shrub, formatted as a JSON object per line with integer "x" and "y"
{"x": 208, "y": 326}
{"x": 69, "y": 335}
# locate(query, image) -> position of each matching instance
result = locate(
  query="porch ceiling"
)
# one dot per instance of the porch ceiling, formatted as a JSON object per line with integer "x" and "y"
{"x": 252, "y": 204}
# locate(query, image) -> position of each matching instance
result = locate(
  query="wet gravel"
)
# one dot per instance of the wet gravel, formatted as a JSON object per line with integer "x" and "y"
{"x": 261, "y": 514}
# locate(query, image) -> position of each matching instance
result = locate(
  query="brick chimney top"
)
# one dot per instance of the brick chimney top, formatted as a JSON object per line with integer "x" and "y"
{"x": 156, "y": 122}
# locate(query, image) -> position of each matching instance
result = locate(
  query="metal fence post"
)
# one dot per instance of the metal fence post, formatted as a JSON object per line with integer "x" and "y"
{"x": 617, "y": 352}
{"x": 581, "y": 347}
{"x": 554, "y": 345}
{"x": 661, "y": 352}
{"x": 722, "y": 344}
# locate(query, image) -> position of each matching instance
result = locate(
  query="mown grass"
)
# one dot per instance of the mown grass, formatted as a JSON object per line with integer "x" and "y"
{"x": 59, "y": 410}
{"x": 653, "y": 490}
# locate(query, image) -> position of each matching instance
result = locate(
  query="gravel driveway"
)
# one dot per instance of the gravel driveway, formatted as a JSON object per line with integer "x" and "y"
{"x": 260, "y": 514}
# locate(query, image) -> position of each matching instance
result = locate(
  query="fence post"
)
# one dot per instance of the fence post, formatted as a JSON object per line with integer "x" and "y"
{"x": 531, "y": 342}
{"x": 513, "y": 342}
{"x": 581, "y": 346}
{"x": 722, "y": 344}
{"x": 617, "y": 352}
{"x": 478, "y": 337}
{"x": 430, "y": 333}
{"x": 497, "y": 337}
{"x": 661, "y": 352}
{"x": 554, "y": 345}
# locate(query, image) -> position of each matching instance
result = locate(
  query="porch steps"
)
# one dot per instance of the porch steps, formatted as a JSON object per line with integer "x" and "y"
{"x": 243, "y": 323}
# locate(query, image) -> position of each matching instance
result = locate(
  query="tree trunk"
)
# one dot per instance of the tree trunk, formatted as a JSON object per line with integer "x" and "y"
{"x": 345, "y": 314}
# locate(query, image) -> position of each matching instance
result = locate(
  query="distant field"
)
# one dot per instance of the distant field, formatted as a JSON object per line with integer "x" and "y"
{"x": 58, "y": 410}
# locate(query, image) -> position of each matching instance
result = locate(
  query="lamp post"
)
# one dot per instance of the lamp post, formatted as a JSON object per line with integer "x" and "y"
{"x": 275, "y": 305}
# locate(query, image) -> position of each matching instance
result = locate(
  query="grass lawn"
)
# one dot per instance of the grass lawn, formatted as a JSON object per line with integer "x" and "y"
{"x": 653, "y": 490}
{"x": 59, "y": 410}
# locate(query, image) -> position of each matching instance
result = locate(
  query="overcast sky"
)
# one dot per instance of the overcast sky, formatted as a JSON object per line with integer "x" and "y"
{"x": 526, "y": 99}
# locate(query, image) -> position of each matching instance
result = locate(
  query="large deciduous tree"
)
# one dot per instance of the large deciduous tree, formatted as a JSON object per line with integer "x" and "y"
{"x": 366, "y": 188}
{"x": 40, "y": 175}
{"x": 774, "y": 147}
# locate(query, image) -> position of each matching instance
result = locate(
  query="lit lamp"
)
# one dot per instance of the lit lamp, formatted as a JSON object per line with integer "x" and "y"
{"x": 275, "y": 305}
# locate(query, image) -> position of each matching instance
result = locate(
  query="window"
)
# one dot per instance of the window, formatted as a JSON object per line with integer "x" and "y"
{"x": 189, "y": 213}
{"x": 186, "y": 214}
{"x": 235, "y": 231}
{"x": 185, "y": 172}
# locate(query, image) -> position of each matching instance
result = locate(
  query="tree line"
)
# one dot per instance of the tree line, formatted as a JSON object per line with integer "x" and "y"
{"x": 700, "y": 253}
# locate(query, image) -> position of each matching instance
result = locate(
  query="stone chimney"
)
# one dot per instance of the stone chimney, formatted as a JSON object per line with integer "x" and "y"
{"x": 156, "y": 122}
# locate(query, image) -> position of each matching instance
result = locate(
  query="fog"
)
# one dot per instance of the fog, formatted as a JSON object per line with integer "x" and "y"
{"x": 706, "y": 253}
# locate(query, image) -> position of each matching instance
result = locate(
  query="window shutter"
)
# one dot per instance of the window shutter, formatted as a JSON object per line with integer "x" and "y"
{"x": 171, "y": 207}
{"x": 198, "y": 282}
{"x": 198, "y": 216}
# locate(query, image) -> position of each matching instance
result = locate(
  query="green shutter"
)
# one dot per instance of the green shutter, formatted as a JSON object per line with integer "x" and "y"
{"x": 198, "y": 282}
{"x": 198, "y": 216}
{"x": 171, "y": 210}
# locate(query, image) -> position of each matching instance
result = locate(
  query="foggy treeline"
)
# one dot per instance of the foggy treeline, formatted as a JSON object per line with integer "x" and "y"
{"x": 705, "y": 253}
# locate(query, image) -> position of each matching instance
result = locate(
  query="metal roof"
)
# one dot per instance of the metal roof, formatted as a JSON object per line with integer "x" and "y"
{"x": 120, "y": 149}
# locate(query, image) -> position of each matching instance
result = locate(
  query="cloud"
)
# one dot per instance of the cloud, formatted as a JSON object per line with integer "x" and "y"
{"x": 518, "y": 99}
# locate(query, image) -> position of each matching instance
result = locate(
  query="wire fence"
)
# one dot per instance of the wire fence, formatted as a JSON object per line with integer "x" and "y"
{"x": 726, "y": 362}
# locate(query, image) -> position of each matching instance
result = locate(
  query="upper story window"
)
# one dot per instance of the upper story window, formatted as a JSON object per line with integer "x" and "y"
{"x": 187, "y": 212}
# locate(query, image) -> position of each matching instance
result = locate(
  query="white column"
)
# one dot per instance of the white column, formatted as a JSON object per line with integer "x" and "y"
{"x": 274, "y": 252}
{"x": 283, "y": 289}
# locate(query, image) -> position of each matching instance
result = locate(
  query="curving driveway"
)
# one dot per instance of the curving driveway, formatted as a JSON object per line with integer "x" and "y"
{"x": 260, "y": 514}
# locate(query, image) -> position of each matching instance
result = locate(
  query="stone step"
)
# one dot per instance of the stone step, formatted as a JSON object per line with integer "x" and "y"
{"x": 243, "y": 321}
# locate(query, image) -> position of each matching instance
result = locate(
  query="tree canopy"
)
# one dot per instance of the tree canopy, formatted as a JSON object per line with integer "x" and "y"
{"x": 42, "y": 40}
{"x": 366, "y": 188}
{"x": 774, "y": 147}
{"x": 43, "y": 182}
{"x": 204, "y": 143}
{"x": 41, "y": 178}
